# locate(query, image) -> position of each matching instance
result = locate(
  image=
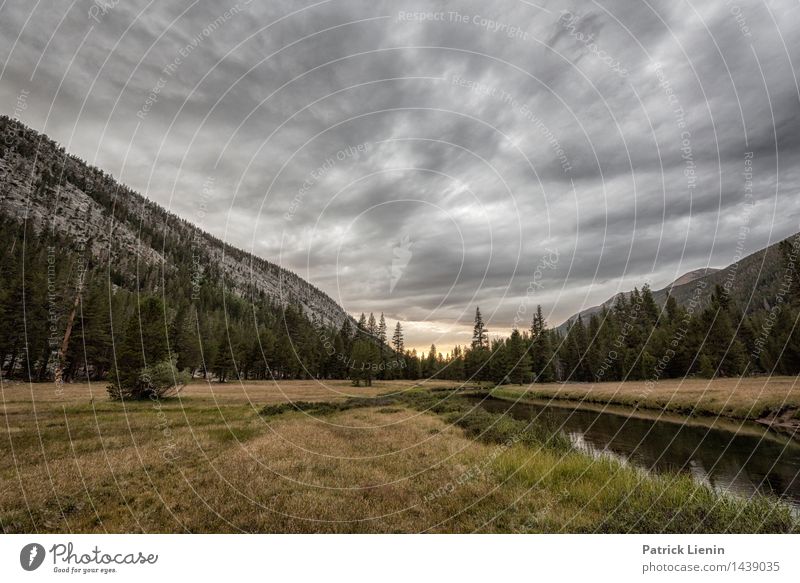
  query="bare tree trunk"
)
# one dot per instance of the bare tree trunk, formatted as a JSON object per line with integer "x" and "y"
{"x": 58, "y": 373}
{"x": 12, "y": 363}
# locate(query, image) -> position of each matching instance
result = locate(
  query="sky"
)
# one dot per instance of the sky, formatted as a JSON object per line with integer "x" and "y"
{"x": 422, "y": 159}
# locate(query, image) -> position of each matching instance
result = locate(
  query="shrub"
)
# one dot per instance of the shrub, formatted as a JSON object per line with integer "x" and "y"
{"x": 162, "y": 379}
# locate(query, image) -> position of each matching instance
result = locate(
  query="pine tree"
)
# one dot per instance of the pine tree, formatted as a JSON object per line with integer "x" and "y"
{"x": 455, "y": 367}
{"x": 430, "y": 369}
{"x": 263, "y": 353}
{"x": 283, "y": 356}
{"x": 671, "y": 307}
{"x": 361, "y": 328}
{"x": 144, "y": 344}
{"x": 363, "y": 362}
{"x": 91, "y": 337}
{"x": 397, "y": 339}
{"x": 382, "y": 331}
{"x": 476, "y": 362}
{"x": 13, "y": 314}
{"x": 518, "y": 359}
{"x": 185, "y": 340}
{"x": 547, "y": 367}
{"x": 223, "y": 364}
{"x": 497, "y": 366}
{"x": 541, "y": 349}
{"x": 414, "y": 368}
{"x": 649, "y": 309}
{"x": 480, "y": 338}
{"x": 706, "y": 367}
{"x": 723, "y": 349}
{"x": 336, "y": 366}
{"x": 579, "y": 344}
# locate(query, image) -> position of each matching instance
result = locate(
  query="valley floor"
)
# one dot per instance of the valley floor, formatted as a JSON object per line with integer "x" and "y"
{"x": 208, "y": 461}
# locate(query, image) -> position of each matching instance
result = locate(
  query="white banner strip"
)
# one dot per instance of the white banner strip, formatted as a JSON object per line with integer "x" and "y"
{"x": 371, "y": 558}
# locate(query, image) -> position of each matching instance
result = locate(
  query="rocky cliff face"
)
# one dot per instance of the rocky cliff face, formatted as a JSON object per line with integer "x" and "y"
{"x": 42, "y": 184}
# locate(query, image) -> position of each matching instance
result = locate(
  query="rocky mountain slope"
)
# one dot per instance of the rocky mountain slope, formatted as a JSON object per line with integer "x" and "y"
{"x": 42, "y": 184}
{"x": 752, "y": 285}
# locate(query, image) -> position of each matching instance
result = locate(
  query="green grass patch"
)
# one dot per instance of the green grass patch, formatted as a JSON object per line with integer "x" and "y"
{"x": 602, "y": 495}
{"x": 587, "y": 494}
{"x": 319, "y": 408}
{"x": 233, "y": 434}
{"x": 457, "y": 410}
{"x": 389, "y": 410}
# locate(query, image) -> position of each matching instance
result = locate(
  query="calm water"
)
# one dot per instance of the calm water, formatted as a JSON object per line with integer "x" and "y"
{"x": 738, "y": 457}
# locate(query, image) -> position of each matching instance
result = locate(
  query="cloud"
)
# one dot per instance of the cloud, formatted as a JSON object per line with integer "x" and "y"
{"x": 484, "y": 133}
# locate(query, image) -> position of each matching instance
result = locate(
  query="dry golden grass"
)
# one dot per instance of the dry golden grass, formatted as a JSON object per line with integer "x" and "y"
{"x": 208, "y": 394}
{"x": 73, "y": 466}
{"x": 745, "y": 398}
{"x": 208, "y": 462}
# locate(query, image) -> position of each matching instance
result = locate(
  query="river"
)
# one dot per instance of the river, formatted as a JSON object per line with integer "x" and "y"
{"x": 733, "y": 456}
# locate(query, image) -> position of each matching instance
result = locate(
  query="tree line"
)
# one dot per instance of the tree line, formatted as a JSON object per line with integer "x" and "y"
{"x": 129, "y": 336}
{"x": 636, "y": 339}
{"x": 65, "y": 315}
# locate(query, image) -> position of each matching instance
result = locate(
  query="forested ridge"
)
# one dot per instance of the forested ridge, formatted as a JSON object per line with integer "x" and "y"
{"x": 97, "y": 283}
{"x": 220, "y": 335}
{"x": 139, "y": 241}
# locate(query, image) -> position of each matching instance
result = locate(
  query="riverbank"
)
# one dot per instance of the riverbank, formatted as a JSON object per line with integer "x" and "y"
{"x": 416, "y": 461}
{"x": 774, "y": 401}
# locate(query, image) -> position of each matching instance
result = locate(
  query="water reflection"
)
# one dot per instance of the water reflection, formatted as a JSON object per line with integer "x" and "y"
{"x": 731, "y": 456}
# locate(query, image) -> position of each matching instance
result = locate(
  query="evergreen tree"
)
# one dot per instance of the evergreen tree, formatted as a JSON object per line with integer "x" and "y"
{"x": 577, "y": 344}
{"x": 23, "y": 315}
{"x": 185, "y": 340}
{"x": 649, "y": 308}
{"x": 363, "y": 362}
{"x": 480, "y": 336}
{"x": 361, "y": 329}
{"x": 224, "y": 364}
{"x": 455, "y": 366}
{"x": 397, "y": 339}
{"x": 541, "y": 349}
{"x": 382, "y": 332}
{"x": 518, "y": 359}
{"x": 90, "y": 346}
{"x": 429, "y": 369}
{"x": 414, "y": 367}
{"x": 476, "y": 364}
{"x": 263, "y": 353}
{"x": 144, "y": 344}
{"x": 724, "y": 350}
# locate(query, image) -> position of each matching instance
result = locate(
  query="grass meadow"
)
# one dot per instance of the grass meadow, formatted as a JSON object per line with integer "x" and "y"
{"x": 750, "y": 398}
{"x": 230, "y": 458}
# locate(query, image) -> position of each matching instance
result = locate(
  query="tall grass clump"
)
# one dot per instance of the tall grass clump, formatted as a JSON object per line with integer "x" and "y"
{"x": 604, "y": 496}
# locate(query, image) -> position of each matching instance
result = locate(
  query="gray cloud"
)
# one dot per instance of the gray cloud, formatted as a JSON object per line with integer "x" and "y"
{"x": 485, "y": 138}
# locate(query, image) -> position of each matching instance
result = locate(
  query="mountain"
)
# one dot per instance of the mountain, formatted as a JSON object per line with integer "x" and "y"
{"x": 693, "y": 275}
{"x": 48, "y": 188}
{"x": 751, "y": 282}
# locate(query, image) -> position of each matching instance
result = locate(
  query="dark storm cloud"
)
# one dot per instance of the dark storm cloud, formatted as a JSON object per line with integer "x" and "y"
{"x": 419, "y": 158}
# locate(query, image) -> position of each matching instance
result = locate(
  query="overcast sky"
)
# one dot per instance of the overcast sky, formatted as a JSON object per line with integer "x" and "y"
{"x": 424, "y": 158}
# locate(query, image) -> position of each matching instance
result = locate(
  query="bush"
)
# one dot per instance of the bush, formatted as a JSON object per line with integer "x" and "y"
{"x": 162, "y": 379}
